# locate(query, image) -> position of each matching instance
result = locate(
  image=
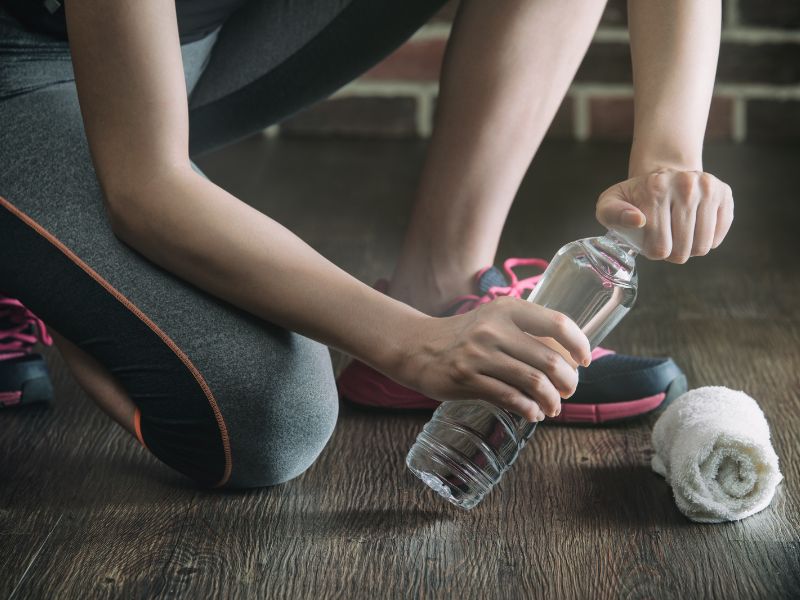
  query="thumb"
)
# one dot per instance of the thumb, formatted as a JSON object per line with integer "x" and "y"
{"x": 614, "y": 210}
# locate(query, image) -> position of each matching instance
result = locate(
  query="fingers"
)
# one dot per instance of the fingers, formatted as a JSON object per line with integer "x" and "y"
{"x": 531, "y": 352}
{"x": 543, "y": 388}
{"x": 538, "y": 320}
{"x": 658, "y": 235}
{"x": 705, "y": 226}
{"x": 688, "y": 213}
{"x": 613, "y": 211}
{"x": 724, "y": 216}
{"x": 531, "y": 382}
{"x": 506, "y": 396}
{"x": 686, "y": 197}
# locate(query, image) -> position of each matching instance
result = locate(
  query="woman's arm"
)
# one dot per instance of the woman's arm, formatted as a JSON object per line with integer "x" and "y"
{"x": 133, "y": 99}
{"x": 132, "y": 93}
{"x": 674, "y": 47}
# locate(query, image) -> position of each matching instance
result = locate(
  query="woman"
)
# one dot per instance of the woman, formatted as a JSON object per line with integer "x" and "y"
{"x": 187, "y": 315}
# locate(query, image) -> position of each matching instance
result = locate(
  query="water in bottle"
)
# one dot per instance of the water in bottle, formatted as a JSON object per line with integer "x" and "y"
{"x": 467, "y": 445}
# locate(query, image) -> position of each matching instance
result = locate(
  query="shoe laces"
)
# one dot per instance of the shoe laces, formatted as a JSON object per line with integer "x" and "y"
{"x": 516, "y": 287}
{"x": 15, "y": 324}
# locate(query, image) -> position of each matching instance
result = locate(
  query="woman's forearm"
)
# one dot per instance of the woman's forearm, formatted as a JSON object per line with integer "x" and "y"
{"x": 674, "y": 48}
{"x": 197, "y": 230}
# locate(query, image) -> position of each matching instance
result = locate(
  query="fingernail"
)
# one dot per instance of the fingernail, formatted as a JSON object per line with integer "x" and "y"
{"x": 558, "y": 412}
{"x": 632, "y": 217}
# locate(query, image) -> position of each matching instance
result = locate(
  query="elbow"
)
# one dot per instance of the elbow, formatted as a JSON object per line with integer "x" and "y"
{"x": 130, "y": 200}
{"x": 121, "y": 211}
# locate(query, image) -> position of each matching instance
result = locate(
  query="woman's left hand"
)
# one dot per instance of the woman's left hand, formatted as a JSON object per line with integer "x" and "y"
{"x": 683, "y": 213}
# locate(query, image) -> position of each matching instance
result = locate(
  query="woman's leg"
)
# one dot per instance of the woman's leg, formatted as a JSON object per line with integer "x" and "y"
{"x": 274, "y": 58}
{"x": 97, "y": 382}
{"x": 219, "y": 395}
{"x": 505, "y": 74}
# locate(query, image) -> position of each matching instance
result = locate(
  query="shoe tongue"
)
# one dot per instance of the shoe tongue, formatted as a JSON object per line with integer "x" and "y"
{"x": 491, "y": 277}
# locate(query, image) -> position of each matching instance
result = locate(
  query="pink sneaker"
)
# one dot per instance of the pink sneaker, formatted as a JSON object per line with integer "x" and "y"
{"x": 24, "y": 378}
{"x": 612, "y": 388}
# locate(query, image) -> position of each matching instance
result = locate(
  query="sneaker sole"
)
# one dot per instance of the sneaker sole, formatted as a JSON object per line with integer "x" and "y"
{"x": 571, "y": 414}
{"x": 617, "y": 412}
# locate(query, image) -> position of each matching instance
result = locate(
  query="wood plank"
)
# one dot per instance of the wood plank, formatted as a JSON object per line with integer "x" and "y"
{"x": 580, "y": 514}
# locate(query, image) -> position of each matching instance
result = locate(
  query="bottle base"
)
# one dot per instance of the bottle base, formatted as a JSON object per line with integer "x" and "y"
{"x": 448, "y": 479}
{"x": 444, "y": 489}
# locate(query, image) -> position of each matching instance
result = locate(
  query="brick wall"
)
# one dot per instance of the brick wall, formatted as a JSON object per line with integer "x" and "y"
{"x": 757, "y": 94}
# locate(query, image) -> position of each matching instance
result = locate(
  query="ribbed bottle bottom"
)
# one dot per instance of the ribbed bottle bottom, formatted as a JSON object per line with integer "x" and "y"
{"x": 450, "y": 476}
{"x": 464, "y": 450}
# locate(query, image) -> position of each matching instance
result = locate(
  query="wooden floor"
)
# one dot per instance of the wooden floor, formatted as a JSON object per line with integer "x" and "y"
{"x": 85, "y": 512}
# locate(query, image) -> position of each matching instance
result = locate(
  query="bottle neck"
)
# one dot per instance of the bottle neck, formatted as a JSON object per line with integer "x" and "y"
{"x": 628, "y": 242}
{"x": 615, "y": 255}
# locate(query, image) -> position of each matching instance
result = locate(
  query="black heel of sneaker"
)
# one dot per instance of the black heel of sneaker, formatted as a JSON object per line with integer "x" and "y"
{"x": 37, "y": 390}
{"x": 678, "y": 386}
{"x": 27, "y": 375}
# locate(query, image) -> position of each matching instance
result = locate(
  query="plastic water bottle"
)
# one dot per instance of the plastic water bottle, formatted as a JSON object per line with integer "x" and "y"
{"x": 467, "y": 445}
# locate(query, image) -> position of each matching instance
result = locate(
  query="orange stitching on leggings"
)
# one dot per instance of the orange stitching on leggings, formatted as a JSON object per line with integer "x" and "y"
{"x": 137, "y": 426}
{"x": 146, "y": 320}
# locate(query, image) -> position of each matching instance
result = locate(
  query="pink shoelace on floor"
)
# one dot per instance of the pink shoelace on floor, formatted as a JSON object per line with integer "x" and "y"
{"x": 14, "y": 341}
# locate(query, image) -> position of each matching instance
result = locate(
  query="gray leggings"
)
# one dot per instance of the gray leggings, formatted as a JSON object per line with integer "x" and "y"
{"x": 222, "y": 396}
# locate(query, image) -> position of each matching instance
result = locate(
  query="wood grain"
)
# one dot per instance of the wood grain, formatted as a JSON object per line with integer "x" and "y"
{"x": 85, "y": 512}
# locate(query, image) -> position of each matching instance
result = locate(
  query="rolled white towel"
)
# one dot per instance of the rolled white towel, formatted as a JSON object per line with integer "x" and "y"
{"x": 712, "y": 445}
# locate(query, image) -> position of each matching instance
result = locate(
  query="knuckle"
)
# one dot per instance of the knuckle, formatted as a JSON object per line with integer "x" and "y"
{"x": 539, "y": 383}
{"x": 507, "y": 398}
{"x": 679, "y": 258}
{"x": 706, "y": 181}
{"x": 728, "y": 193}
{"x": 727, "y": 205}
{"x": 484, "y": 333}
{"x": 657, "y": 183}
{"x": 701, "y": 249}
{"x": 660, "y": 250}
{"x": 472, "y": 352}
{"x": 560, "y": 322}
{"x": 687, "y": 200}
{"x": 685, "y": 182}
{"x": 552, "y": 361}
{"x": 460, "y": 371}
{"x": 573, "y": 380}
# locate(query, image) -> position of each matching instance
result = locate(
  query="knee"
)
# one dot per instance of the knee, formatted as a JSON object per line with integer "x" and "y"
{"x": 279, "y": 429}
{"x": 280, "y": 445}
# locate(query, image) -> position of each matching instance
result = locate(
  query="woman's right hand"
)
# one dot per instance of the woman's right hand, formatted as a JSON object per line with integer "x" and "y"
{"x": 490, "y": 354}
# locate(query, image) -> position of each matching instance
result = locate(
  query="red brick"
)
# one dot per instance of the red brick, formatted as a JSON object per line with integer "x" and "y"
{"x": 378, "y": 117}
{"x": 720, "y": 119}
{"x": 416, "y": 60}
{"x": 770, "y": 13}
{"x": 606, "y": 62}
{"x": 561, "y": 126}
{"x": 612, "y": 119}
{"x": 773, "y": 120}
{"x": 777, "y": 63}
{"x": 759, "y": 63}
{"x": 616, "y": 12}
